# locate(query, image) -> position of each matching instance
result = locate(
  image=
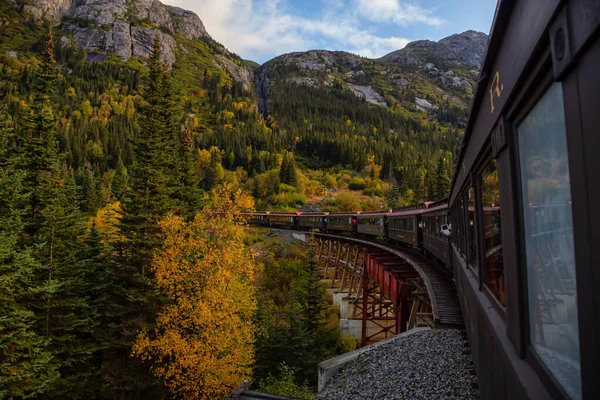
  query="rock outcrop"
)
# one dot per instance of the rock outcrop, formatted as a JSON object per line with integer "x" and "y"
{"x": 125, "y": 27}
{"x": 241, "y": 75}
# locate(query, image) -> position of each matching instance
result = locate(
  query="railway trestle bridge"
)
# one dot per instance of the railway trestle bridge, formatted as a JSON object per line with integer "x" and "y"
{"x": 389, "y": 290}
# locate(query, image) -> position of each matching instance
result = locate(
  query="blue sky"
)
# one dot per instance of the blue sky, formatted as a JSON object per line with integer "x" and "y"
{"x": 262, "y": 29}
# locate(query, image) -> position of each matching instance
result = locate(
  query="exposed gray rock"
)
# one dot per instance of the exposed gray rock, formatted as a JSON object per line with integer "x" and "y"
{"x": 424, "y": 105}
{"x": 12, "y": 54}
{"x": 52, "y": 10}
{"x": 322, "y": 60}
{"x": 142, "y": 42}
{"x": 263, "y": 89}
{"x": 187, "y": 24}
{"x": 354, "y": 74}
{"x": 241, "y": 75}
{"x": 402, "y": 83}
{"x": 304, "y": 81}
{"x": 367, "y": 93}
{"x": 434, "y": 72}
{"x": 65, "y": 41}
{"x": 125, "y": 27}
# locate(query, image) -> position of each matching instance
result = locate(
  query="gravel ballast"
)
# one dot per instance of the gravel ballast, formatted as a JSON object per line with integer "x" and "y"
{"x": 430, "y": 364}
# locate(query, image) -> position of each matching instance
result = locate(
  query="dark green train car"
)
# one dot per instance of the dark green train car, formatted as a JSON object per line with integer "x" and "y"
{"x": 404, "y": 227}
{"x": 342, "y": 222}
{"x": 316, "y": 220}
{"x": 371, "y": 224}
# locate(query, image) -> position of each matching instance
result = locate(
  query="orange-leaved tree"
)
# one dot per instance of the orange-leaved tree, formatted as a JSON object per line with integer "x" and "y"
{"x": 202, "y": 345}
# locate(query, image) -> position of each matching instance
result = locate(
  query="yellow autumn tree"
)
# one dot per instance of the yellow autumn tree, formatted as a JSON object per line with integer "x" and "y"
{"x": 202, "y": 346}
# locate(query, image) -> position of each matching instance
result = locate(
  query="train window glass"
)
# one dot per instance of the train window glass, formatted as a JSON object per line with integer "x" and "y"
{"x": 472, "y": 231}
{"x": 548, "y": 229}
{"x": 492, "y": 232}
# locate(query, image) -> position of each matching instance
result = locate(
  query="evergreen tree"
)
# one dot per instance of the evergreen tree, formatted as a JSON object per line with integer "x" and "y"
{"x": 192, "y": 192}
{"x": 155, "y": 182}
{"x": 442, "y": 181}
{"x": 430, "y": 185}
{"x": 105, "y": 293}
{"x": 26, "y": 367}
{"x": 283, "y": 168}
{"x": 214, "y": 172}
{"x": 52, "y": 227}
{"x": 312, "y": 305}
{"x": 287, "y": 171}
{"x": 120, "y": 182}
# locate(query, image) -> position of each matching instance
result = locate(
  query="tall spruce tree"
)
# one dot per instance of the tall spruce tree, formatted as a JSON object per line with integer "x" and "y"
{"x": 120, "y": 181}
{"x": 155, "y": 191}
{"x": 441, "y": 181}
{"x": 53, "y": 225}
{"x": 26, "y": 366}
{"x": 287, "y": 171}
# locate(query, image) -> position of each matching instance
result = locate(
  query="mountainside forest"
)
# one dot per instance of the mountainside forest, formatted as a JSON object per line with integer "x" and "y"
{"x": 124, "y": 127}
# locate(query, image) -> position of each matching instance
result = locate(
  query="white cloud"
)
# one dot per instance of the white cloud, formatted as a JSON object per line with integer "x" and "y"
{"x": 262, "y": 29}
{"x": 397, "y": 11}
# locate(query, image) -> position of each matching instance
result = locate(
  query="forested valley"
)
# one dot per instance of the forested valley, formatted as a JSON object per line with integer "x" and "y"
{"x": 126, "y": 269}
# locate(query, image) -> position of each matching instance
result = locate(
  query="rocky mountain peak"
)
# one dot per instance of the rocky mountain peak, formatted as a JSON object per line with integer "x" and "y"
{"x": 465, "y": 48}
{"x": 125, "y": 27}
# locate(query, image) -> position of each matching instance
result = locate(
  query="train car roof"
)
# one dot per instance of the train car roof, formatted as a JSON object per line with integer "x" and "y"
{"x": 313, "y": 214}
{"x": 440, "y": 207}
{"x": 407, "y": 212}
{"x": 373, "y": 214}
{"x": 344, "y": 214}
{"x": 283, "y": 214}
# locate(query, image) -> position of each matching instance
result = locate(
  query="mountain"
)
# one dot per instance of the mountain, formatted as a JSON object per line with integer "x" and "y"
{"x": 466, "y": 49}
{"x": 420, "y": 76}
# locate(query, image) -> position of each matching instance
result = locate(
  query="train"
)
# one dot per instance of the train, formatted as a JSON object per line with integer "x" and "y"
{"x": 425, "y": 226}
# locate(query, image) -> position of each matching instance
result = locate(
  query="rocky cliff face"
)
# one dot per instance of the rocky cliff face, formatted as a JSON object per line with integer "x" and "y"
{"x": 125, "y": 27}
{"x": 465, "y": 48}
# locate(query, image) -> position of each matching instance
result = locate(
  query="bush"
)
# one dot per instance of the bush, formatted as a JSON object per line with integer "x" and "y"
{"x": 285, "y": 385}
{"x": 357, "y": 184}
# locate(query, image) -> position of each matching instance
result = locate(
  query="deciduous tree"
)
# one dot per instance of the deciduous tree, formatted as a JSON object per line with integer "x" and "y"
{"x": 202, "y": 344}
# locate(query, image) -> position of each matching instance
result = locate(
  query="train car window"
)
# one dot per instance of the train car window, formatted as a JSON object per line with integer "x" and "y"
{"x": 548, "y": 235}
{"x": 492, "y": 232}
{"x": 472, "y": 231}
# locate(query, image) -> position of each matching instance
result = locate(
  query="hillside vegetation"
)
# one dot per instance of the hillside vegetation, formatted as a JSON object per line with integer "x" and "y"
{"x": 130, "y": 140}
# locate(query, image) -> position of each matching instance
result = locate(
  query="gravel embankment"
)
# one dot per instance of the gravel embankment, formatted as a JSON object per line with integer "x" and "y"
{"x": 431, "y": 364}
